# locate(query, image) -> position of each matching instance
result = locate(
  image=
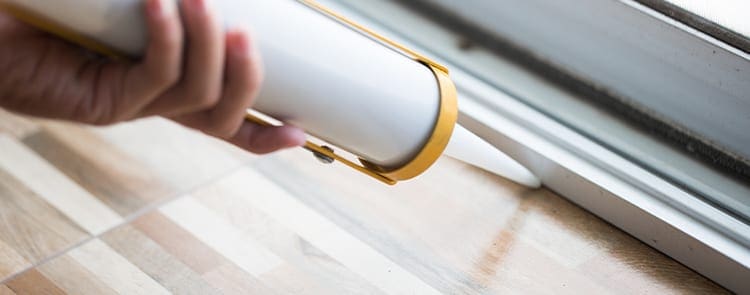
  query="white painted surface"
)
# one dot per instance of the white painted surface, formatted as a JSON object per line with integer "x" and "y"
{"x": 731, "y": 14}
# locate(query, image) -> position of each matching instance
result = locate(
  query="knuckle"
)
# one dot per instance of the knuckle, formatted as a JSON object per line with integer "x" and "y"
{"x": 97, "y": 118}
{"x": 103, "y": 122}
{"x": 106, "y": 117}
{"x": 167, "y": 76}
{"x": 203, "y": 99}
{"x": 103, "y": 111}
{"x": 89, "y": 111}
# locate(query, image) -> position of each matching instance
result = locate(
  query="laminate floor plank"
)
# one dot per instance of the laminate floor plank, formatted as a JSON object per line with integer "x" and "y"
{"x": 10, "y": 261}
{"x": 137, "y": 163}
{"x": 4, "y": 290}
{"x": 73, "y": 278}
{"x": 458, "y": 229}
{"x": 229, "y": 279}
{"x": 214, "y": 268}
{"x": 127, "y": 260}
{"x": 295, "y": 250}
{"x": 200, "y": 243}
{"x": 179, "y": 242}
{"x": 64, "y": 183}
{"x": 16, "y": 125}
{"x": 221, "y": 236}
{"x": 153, "y": 260}
{"x": 115, "y": 270}
{"x": 317, "y": 230}
{"x": 184, "y": 159}
{"x": 97, "y": 166}
{"x": 241, "y": 247}
{"x": 30, "y": 229}
{"x": 43, "y": 179}
{"x": 223, "y": 222}
{"x": 33, "y": 282}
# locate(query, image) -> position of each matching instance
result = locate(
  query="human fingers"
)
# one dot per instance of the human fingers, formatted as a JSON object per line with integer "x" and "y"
{"x": 243, "y": 77}
{"x": 266, "y": 139}
{"x": 201, "y": 82}
{"x": 161, "y": 66}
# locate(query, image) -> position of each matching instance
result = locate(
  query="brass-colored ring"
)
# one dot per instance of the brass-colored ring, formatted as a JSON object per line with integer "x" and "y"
{"x": 438, "y": 140}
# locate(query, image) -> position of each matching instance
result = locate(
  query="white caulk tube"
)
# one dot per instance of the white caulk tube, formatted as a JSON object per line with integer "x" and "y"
{"x": 390, "y": 107}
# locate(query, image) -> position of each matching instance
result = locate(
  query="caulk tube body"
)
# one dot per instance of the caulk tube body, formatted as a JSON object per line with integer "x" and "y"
{"x": 322, "y": 76}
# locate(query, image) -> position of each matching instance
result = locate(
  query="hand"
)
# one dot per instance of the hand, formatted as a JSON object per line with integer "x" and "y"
{"x": 206, "y": 86}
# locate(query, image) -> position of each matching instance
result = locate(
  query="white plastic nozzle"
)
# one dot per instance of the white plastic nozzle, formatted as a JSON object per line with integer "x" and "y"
{"x": 471, "y": 149}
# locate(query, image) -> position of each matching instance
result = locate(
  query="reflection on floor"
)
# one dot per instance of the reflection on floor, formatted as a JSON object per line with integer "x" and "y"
{"x": 149, "y": 207}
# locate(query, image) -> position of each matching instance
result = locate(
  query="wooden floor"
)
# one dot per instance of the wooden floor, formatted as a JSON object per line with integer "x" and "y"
{"x": 150, "y": 208}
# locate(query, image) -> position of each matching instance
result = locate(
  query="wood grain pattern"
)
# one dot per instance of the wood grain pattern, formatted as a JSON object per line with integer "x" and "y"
{"x": 117, "y": 180}
{"x": 221, "y": 236}
{"x": 114, "y": 270}
{"x": 15, "y": 125}
{"x": 10, "y": 261}
{"x": 153, "y": 260}
{"x": 61, "y": 183}
{"x": 34, "y": 282}
{"x": 231, "y": 280}
{"x": 313, "y": 263}
{"x": 179, "y": 242}
{"x": 320, "y": 232}
{"x": 457, "y": 228}
{"x": 62, "y": 193}
{"x": 284, "y": 224}
{"x": 215, "y": 269}
{"x": 73, "y": 278}
{"x": 30, "y": 229}
{"x": 4, "y": 290}
{"x": 183, "y": 159}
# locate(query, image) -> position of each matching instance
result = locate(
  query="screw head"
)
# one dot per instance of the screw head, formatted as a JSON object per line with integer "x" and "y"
{"x": 323, "y": 158}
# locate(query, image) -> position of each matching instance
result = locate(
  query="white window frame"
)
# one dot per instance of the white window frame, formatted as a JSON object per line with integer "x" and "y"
{"x": 695, "y": 83}
{"x": 690, "y": 64}
{"x": 614, "y": 188}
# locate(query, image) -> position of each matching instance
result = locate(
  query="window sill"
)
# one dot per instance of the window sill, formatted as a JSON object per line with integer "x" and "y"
{"x": 639, "y": 202}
